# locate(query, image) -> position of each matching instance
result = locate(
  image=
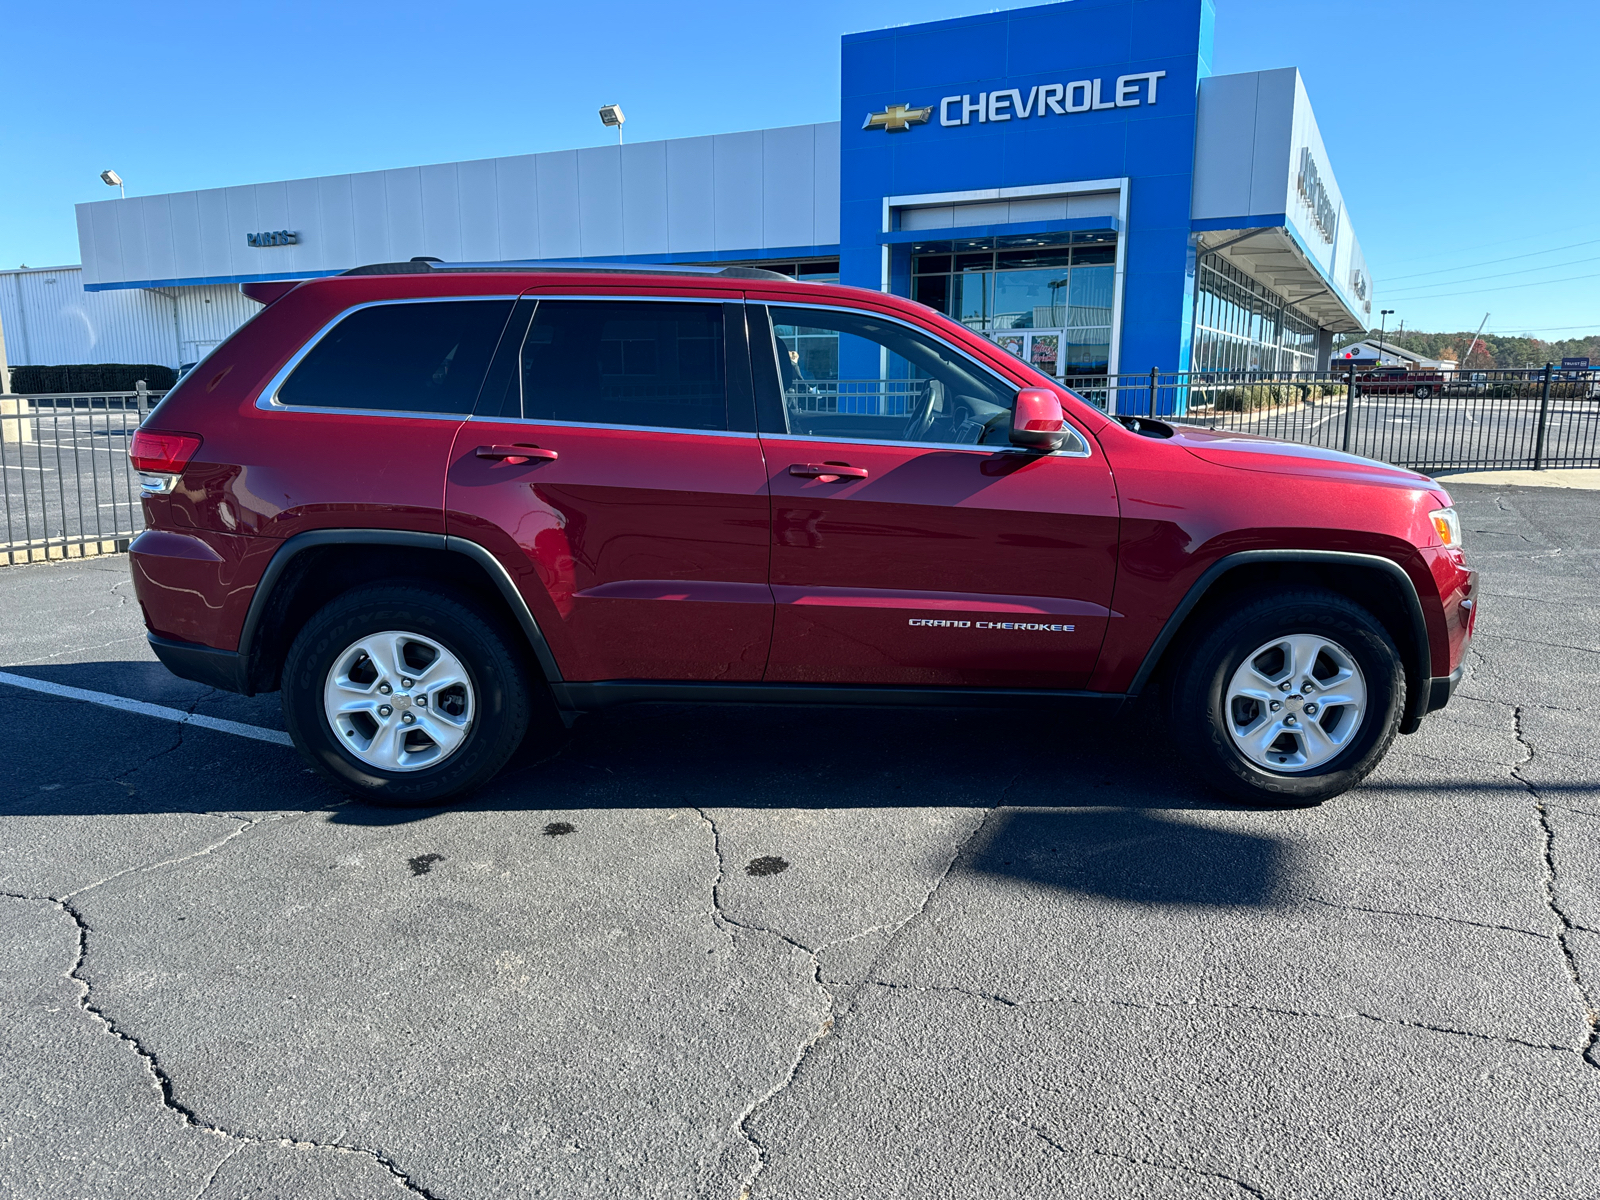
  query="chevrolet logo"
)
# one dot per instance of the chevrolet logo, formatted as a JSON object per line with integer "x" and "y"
{"x": 898, "y": 118}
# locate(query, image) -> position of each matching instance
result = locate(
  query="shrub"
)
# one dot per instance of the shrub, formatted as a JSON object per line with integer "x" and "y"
{"x": 90, "y": 378}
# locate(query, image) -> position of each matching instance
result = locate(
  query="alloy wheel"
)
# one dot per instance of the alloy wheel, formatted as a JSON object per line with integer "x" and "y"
{"x": 1295, "y": 702}
{"x": 399, "y": 701}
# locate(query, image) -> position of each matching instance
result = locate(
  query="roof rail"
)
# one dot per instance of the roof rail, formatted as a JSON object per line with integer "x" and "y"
{"x": 430, "y": 266}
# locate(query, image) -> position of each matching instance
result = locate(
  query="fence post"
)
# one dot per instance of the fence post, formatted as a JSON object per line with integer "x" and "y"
{"x": 1349, "y": 406}
{"x": 1153, "y": 392}
{"x": 1544, "y": 421}
{"x": 142, "y": 393}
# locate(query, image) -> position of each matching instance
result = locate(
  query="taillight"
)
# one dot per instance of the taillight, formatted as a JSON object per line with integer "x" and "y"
{"x": 162, "y": 453}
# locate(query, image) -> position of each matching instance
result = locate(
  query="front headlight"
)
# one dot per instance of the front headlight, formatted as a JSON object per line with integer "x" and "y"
{"x": 1447, "y": 525}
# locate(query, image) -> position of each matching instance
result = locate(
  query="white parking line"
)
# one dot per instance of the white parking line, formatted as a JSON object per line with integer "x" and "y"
{"x": 159, "y": 711}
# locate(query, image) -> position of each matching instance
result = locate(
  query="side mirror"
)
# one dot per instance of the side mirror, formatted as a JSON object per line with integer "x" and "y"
{"x": 1037, "y": 421}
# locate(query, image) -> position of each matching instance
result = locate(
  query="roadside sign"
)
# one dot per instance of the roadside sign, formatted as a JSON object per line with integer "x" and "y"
{"x": 1574, "y": 364}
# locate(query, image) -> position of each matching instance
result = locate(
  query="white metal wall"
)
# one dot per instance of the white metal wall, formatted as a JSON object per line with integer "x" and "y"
{"x": 768, "y": 189}
{"x": 49, "y": 320}
{"x": 207, "y": 316}
{"x": 1250, "y": 129}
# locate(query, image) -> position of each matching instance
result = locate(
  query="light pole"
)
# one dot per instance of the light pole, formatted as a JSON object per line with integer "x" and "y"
{"x": 1383, "y": 325}
{"x": 111, "y": 179}
{"x": 611, "y": 114}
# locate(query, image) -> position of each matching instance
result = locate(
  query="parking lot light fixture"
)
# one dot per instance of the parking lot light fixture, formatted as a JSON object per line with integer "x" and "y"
{"x": 611, "y": 115}
{"x": 1383, "y": 325}
{"x": 111, "y": 179}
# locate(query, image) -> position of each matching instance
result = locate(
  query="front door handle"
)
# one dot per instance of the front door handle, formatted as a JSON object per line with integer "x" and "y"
{"x": 827, "y": 472}
{"x": 516, "y": 455}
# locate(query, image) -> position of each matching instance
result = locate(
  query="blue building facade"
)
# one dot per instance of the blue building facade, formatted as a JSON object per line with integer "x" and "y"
{"x": 1069, "y": 179}
{"x": 1026, "y": 105}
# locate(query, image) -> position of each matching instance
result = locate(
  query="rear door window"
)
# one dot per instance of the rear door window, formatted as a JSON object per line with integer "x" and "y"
{"x": 652, "y": 364}
{"x": 415, "y": 357}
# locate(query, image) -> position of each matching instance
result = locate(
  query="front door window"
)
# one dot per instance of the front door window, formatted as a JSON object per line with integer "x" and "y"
{"x": 858, "y": 376}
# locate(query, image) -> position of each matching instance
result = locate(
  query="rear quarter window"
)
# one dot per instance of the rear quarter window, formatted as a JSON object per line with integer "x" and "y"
{"x": 414, "y": 357}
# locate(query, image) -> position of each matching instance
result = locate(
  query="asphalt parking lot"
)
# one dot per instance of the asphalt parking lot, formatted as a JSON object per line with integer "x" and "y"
{"x": 806, "y": 953}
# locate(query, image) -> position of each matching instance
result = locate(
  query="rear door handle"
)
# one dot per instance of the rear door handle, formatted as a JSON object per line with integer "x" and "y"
{"x": 827, "y": 472}
{"x": 516, "y": 454}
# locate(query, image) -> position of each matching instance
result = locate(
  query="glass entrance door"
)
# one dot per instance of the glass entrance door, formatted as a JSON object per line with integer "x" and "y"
{"x": 1039, "y": 347}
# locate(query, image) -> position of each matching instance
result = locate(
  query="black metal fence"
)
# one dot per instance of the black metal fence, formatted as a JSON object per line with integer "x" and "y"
{"x": 1479, "y": 419}
{"x": 69, "y": 490}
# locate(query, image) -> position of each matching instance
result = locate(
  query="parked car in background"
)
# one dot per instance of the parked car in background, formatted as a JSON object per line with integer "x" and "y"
{"x": 439, "y": 507}
{"x": 1397, "y": 381}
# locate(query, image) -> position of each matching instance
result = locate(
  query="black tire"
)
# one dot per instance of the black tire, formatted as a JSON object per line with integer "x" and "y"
{"x": 1196, "y": 695}
{"x": 1423, "y": 392}
{"x": 497, "y": 672}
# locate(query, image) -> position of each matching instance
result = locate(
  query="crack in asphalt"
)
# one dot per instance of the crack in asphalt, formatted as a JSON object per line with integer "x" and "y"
{"x": 163, "y": 1080}
{"x": 1565, "y": 925}
{"x": 1522, "y": 641}
{"x": 121, "y": 778}
{"x": 45, "y": 658}
{"x": 938, "y": 884}
{"x": 205, "y": 1185}
{"x": 1393, "y": 912}
{"x": 244, "y": 827}
{"x": 1043, "y": 1133}
{"x": 1219, "y": 1006}
{"x": 727, "y": 923}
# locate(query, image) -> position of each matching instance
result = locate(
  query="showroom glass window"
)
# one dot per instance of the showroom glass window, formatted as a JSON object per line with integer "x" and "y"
{"x": 625, "y": 362}
{"x": 806, "y": 270}
{"x": 424, "y": 357}
{"x": 858, "y": 376}
{"x": 997, "y": 286}
{"x": 1243, "y": 326}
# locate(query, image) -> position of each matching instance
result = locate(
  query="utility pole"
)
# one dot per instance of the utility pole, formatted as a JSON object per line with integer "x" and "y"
{"x": 1474, "y": 345}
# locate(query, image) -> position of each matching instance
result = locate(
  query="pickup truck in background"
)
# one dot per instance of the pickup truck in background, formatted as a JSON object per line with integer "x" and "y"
{"x": 1397, "y": 381}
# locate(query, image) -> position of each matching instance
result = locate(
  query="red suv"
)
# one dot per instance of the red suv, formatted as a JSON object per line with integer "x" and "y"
{"x": 436, "y": 504}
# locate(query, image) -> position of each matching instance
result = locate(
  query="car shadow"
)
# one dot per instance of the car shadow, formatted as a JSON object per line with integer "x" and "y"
{"x": 1086, "y": 804}
{"x": 1134, "y": 855}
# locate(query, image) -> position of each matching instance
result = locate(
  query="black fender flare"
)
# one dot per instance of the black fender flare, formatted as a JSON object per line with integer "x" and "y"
{"x": 396, "y": 537}
{"x": 1419, "y": 670}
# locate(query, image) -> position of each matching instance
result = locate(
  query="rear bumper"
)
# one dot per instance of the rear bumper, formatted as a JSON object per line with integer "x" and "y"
{"x": 225, "y": 670}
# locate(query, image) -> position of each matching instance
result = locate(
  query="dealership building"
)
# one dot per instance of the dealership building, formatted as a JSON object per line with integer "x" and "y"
{"x": 1069, "y": 179}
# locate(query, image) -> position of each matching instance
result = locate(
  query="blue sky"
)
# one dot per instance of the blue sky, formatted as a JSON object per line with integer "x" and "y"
{"x": 1461, "y": 132}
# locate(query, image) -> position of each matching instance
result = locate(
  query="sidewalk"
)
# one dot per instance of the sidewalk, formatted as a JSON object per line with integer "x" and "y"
{"x": 1584, "y": 478}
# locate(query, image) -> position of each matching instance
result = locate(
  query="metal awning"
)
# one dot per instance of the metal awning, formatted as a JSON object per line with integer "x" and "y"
{"x": 1271, "y": 255}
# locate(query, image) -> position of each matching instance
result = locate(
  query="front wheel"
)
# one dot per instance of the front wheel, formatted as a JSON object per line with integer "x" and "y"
{"x": 1293, "y": 698}
{"x": 404, "y": 695}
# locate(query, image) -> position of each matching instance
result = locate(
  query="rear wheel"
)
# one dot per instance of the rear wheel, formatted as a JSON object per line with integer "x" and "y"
{"x": 404, "y": 695}
{"x": 1423, "y": 392}
{"x": 1294, "y": 698}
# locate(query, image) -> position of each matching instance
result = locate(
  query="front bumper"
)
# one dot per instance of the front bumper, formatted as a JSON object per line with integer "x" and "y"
{"x": 1444, "y": 686}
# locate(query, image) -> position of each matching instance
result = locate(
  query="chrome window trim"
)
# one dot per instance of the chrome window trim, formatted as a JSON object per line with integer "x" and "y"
{"x": 1006, "y": 448}
{"x": 1087, "y": 446}
{"x": 727, "y": 433}
{"x": 268, "y": 399}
